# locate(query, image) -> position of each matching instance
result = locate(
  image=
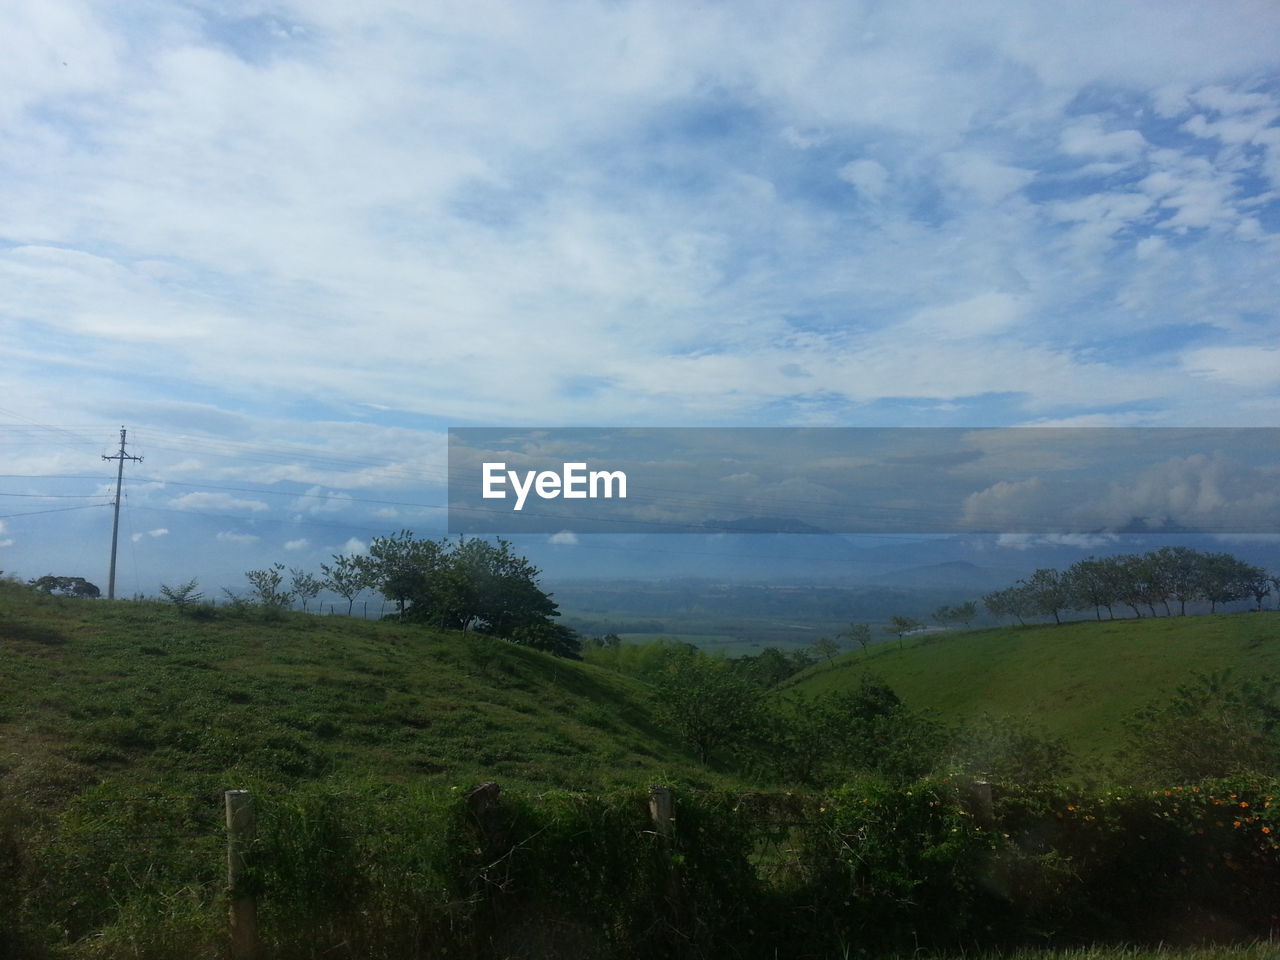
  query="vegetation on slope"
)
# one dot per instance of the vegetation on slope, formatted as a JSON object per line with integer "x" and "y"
{"x": 139, "y": 693}
{"x": 1081, "y": 681}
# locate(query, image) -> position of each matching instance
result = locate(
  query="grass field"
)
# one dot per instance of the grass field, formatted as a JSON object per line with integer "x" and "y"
{"x": 1079, "y": 680}
{"x": 140, "y": 694}
{"x": 121, "y": 723}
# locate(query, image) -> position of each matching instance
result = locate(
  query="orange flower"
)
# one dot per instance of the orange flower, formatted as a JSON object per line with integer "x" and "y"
{"x": 1266, "y": 829}
{"x": 1236, "y": 823}
{"x": 1244, "y": 803}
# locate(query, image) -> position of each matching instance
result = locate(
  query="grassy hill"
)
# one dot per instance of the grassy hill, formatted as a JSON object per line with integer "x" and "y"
{"x": 134, "y": 692}
{"x": 1080, "y": 680}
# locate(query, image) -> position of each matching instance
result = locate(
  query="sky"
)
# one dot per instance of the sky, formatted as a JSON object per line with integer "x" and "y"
{"x": 288, "y": 245}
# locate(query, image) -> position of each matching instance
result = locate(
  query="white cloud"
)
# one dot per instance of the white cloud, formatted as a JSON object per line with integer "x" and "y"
{"x": 564, "y": 538}
{"x": 5, "y": 541}
{"x": 214, "y": 501}
{"x": 355, "y": 547}
{"x": 294, "y": 545}
{"x": 1083, "y": 541}
{"x": 1254, "y": 366}
{"x": 317, "y": 501}
{"x": 869, "y": 177}
{"x": 229, "y": 536}
{"x": 986, "y": 179}
{"x": 980, "y": 316}
{"x": 1086, "y": 137}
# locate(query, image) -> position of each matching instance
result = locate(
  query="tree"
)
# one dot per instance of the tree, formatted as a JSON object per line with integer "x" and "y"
{"x": 826, "y": 647}
{"x": 1257, "y": 584}
{"x": 1047, "y": 592}
{"x": 965, "y": 612}
{"x": 825, "y": 739}
{"x": 467, "y": 584}
{"x": 1015, "y": 601}
{"x": 711, "y": 708}
{"x": 183, "y": 595}
{"x": 1009, "y": 750}
{"x": 266, "y": 586}
{"x": 400, "y": 567}
{"x": 1214, "y": 726}
{"x": 1093, "y": 583}
{"x": 554, "y": 638}
{"x": 66, "y": 586}
{"x": 900, "y": 627}
{"x": 767, "y": 669}
{"x": 860, "y": 633}
{"x": 1224, "y": 579}
{"x": 487, "y": 587}
{"x": 962, "y": 613}
{"x": 1180, "y": 572}
{"x": 345, "y": 578}
{"x": 305, "y": 586}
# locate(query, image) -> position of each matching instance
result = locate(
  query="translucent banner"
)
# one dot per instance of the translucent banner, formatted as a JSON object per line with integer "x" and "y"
{"x": 864, "y": 480}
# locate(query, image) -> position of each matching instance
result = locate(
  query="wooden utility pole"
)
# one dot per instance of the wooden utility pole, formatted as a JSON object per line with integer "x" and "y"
{"x": 244, "y": 910}
{"x": 115, "y": 525}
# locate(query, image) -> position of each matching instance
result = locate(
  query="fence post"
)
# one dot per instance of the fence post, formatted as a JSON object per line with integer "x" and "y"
{"x": 980, "y": 791}
{"x": 662, "y": 811}
{"x": 244, "y": 911}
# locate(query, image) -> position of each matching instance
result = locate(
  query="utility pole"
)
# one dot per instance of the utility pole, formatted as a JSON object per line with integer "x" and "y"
{"x": 115, "y": 525}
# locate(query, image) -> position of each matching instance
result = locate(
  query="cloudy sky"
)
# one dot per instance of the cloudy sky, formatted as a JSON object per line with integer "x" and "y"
{"x": 288, "y": 244}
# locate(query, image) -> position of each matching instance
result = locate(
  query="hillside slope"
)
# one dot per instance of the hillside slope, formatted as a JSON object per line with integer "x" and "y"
{"x": 137, "y": 693}
{"x": 1080, "y": 680}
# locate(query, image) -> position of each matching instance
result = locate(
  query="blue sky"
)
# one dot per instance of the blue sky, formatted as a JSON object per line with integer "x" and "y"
{"x": 289, "y": 244}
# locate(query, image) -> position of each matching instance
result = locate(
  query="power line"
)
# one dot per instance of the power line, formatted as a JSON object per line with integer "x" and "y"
{"x": 32, "y": 513}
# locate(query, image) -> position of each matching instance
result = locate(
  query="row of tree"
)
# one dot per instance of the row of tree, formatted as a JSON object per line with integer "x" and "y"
{"x": 1161, "y": 578}
{"x": 462, "y": 584}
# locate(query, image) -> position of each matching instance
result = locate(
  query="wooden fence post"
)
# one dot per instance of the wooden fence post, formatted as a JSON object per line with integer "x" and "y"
{"x": 980, "y": 790}
{"x": 662, "y": 811}
{"x": 244, "y": 911}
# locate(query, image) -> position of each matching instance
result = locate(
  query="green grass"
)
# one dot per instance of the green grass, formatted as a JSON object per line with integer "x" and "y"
{"x": 1079, "y": 680}
{"x": 137, "y": 694}
{"x": 1257, "y": 951}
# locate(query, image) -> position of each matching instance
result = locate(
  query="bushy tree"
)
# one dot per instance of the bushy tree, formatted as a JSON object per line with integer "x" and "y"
{"x": 860, "y": 633}
{"x": 1009, "y": 750}
{"x": 345, "y": 577}
{"x": 825, "y": 740}
{"x": 712, "y": 709}
{"x": 66, "y": 586}
{"x": 183, "y": 595}
{"x": 304, "y": 586}
{"x": 399, "y": 566}
{"x": 1048, "y": 593}
{"x": 1179, "y": 571}
{"x": 962, "y": 613}
{"x": 267, "y": 587}
{"x": 826, "y": 647}
{"x": 1213, "y": 726}
{"x": 900, "y": 627}
{"x": 466, "y": 584}
{"x": 1094, "y": 583}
